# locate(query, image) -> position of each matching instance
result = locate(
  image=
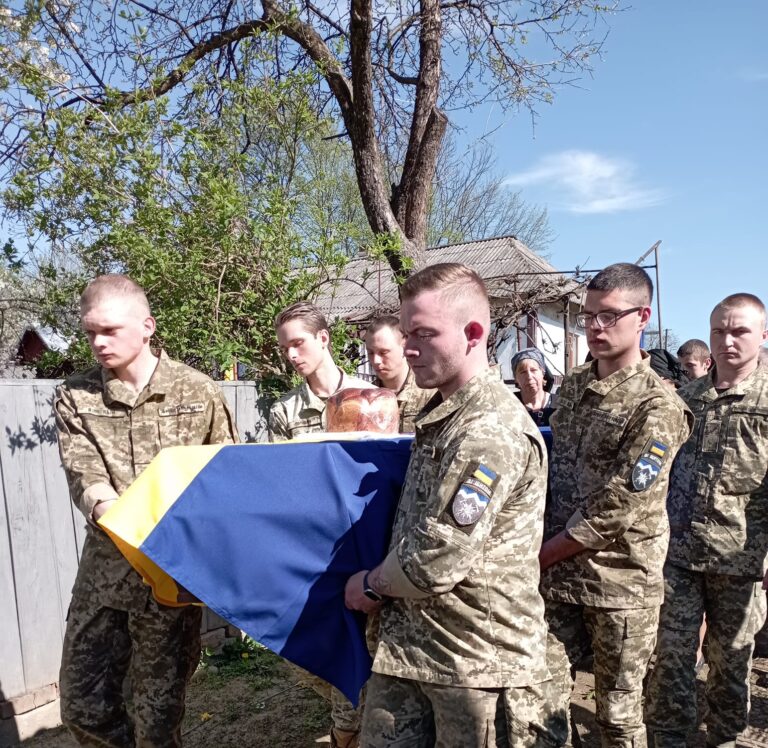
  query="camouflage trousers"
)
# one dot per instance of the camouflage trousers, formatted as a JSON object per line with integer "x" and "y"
{"x": 344, "y": 716}
{"x": 621, "y": 642}
{"x": 735, "y": 611}
{"x": 156, "y": 650}
{"x": 413, "y": 714}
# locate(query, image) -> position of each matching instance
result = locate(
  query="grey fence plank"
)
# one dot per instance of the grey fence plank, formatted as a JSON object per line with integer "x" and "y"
{"x": 37, "y": 593}
{"x": 247, "y": 414}
{"x": 65, "y": 517}
{"x": 248, "y": 409}
{"x": 229, "y": 390}
{"x": 11, "y": 663}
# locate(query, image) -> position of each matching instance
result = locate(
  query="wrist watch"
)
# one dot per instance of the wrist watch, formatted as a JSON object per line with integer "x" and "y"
{"x": 369, "y": 592}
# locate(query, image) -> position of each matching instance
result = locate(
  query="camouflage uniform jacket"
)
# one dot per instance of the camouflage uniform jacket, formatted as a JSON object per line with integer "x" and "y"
{"x": 614, "y": 440}
{"x": 718, "y": 494}
{"x": 411, "y": 400}
{"x": 108, "y": 435}
{"x": 463, "y": 557}
{"x": 301, "y": 411}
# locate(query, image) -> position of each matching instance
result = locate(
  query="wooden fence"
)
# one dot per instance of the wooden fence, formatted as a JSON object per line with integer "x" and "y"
{"x": 41, "y": 536}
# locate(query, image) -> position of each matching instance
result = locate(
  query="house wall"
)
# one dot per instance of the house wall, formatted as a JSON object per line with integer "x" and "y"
{"x": 549, "y": 339}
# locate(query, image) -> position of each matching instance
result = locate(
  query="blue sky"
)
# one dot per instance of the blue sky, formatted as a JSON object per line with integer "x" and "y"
{"x": 668, "y": 140}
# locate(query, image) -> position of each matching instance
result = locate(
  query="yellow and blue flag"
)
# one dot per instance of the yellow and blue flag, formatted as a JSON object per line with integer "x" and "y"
{"x": 267, "y": 535}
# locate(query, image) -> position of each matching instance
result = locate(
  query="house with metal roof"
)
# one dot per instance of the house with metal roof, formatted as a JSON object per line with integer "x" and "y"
{"x": 532, "y": 303}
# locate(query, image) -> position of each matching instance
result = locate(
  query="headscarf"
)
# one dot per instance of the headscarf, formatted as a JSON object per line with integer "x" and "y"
{"x": 535, "y": 355}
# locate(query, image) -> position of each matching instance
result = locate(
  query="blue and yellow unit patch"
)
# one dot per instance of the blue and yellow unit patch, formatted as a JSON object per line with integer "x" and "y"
{"x": 472, "y": 497}
{"x": 648, "y": 465}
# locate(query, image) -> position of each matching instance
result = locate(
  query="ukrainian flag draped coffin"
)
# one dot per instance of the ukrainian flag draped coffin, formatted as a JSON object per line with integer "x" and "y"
{"x": 267, "y": 536}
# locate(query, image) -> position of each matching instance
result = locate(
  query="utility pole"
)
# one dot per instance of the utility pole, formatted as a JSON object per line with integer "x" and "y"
{"x": 655, "y": 250}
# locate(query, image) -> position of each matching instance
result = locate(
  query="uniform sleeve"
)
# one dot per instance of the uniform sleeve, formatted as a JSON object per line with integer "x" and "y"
{"x": 87, "y": 475}
{"x": 278, "y": 424}
{"x": 606, "y": 514}
{"x": 440, "y": 551}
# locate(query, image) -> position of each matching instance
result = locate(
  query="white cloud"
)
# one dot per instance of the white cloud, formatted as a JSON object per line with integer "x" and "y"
{"x": 753, "y": 75}
{"x": 586, "y": 182}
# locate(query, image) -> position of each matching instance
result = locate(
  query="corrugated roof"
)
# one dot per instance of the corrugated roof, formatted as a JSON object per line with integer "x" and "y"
{"x": 507, "y": 266}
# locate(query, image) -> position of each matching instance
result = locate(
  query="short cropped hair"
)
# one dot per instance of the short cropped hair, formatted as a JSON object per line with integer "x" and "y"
{"x": 385, "y": 320}
{"x": 444, "y": 276}
{"x": 694, "y": 347}
{"x": 624, "y": 276}
{"x": 109, "y": 286}
{"x": 313, "y": 319}
{"x": 736, "y": 300}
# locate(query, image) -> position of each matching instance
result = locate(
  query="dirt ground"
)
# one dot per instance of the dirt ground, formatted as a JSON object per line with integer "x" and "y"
{"x": 248, "y": 698}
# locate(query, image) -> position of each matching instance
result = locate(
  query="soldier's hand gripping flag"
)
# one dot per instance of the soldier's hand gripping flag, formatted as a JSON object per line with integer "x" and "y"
{"x": 266, "y": 535}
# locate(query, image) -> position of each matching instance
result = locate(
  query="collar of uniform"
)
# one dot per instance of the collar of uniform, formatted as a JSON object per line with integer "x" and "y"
{"x": 458, "y": 398}
{"x": 709, "y": 393}
{"x": 402, "y": 393}
{"x": 116, "y": 392}
{"x": 311, "y": 400}
{"x": 702, "y": 388}
{"x": 604, "y": 386}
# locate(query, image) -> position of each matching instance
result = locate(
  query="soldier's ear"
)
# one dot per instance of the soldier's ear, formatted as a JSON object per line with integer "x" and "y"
{"x": 645, "y": 317}
{"x": 473, "y": 331}
{"x": 149, "y": 325}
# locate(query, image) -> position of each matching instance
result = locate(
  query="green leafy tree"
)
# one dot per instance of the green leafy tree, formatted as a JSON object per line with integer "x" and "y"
{"x": 387, "y": 75}
{"x": 207, "y": 227}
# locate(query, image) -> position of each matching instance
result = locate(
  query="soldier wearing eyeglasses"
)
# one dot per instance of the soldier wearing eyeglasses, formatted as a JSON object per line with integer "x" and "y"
{"x": 615, "y": 434}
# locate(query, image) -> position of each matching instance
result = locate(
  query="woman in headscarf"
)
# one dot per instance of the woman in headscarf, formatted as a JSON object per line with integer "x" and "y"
{"x": 535, "y": 381}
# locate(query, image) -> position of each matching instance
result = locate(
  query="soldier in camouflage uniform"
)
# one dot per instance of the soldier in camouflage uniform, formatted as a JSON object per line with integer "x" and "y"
{"x": 462, "y": 619}
{"x": 615, "y": 433}
{"x": 111, "y": 421}
{"x": 304, "y": 339}
{"x": 384, "y": 343}
{"x": 718, "y": 514}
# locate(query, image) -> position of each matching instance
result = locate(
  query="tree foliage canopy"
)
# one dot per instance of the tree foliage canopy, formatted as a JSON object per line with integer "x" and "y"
{"x": 219, "y": 237}
{"x": 388, "y": 73}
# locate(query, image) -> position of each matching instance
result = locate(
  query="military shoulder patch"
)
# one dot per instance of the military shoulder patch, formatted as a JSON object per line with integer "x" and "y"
{"x": 648, "y": 465}
{"x": 471, "y": 498}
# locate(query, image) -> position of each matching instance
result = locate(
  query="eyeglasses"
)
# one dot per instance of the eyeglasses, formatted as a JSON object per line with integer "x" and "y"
{"x": 603, "y": 319}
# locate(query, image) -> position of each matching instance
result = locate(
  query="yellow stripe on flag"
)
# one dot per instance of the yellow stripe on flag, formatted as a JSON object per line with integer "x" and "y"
{"x": 656, "y": 451}
{"x": 143, "y": 504}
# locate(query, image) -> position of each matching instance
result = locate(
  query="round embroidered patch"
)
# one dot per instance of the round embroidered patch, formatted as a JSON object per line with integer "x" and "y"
{"x": 468, "y": 505}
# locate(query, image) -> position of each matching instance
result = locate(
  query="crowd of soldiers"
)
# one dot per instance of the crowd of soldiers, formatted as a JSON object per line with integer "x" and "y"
{"x": 506, "y": 569}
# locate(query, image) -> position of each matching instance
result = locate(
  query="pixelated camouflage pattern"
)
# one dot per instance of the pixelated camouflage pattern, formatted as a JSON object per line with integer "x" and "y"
{"x": 735, "y": 612}
{"x": 480, "y": 620}
{"x": 422, "y": 715}
{"x": 622, "y": 642}
{"x": 108, "y": 435}
{"x": 99, "y": 653}
{"x": 527, "y": 725}
{"x": 344, "y": 715}
{"x": 301, "y": 411}
{"x": 411, "y": 400}
{"x": 718, "y": 493}
{"x": 601, "y": 428}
